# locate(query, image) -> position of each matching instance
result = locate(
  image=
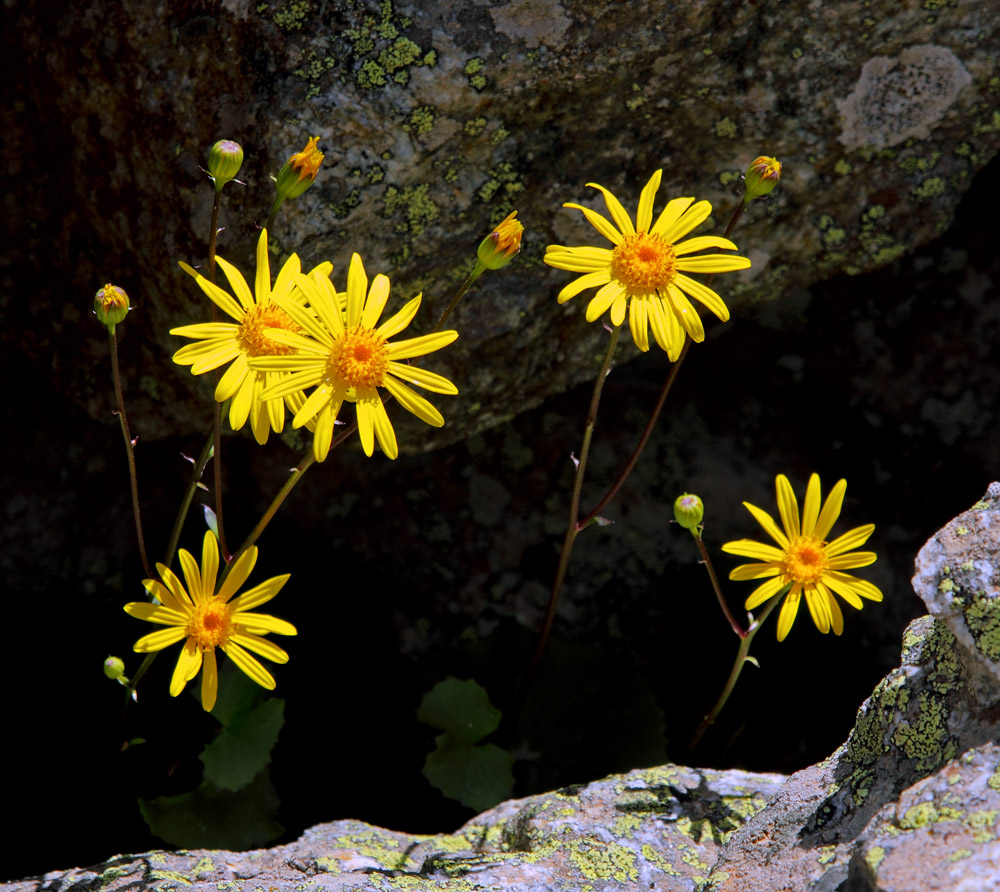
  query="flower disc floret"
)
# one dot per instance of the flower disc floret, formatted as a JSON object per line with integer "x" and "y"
{"x": 804, "y": 563}
{"x": 360, "y": 357}
{"x": 644, "y": 263}
{"x": 646, "y": 270}
{"x": 347, "y": 356}
{"x": 206, "y": 615}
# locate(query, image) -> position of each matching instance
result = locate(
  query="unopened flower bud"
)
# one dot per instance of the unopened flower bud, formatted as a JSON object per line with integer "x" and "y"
{"x": 299, "y": 171}
{"x": 114, "y": 668}
{"x": 689, "y": 512}
{"x": 225, "y": 159}
{"x": 111, "y": 305}
{"x": 500, "y": 247}
{"x": 762, "y": 176}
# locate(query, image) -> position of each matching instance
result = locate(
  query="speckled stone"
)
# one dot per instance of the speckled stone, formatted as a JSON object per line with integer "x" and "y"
{"x": 437, "y": 120}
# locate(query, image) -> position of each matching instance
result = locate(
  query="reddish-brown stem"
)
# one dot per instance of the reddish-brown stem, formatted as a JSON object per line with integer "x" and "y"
{"x": 129, "y": 450}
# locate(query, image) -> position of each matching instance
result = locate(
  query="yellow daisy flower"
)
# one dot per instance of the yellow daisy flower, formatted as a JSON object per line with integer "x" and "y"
{"x": 345, "y": 356}
{"x": 645, "y": 269}
{"x": 208, "y": 619}
{"x": 219, "y": 343}
{"x": 805, "y": 560}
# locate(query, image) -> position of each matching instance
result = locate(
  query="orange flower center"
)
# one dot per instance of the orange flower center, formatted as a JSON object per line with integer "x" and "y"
{"x": 211, "y": 625}
{"x": 360, "y": 356}
{"x": 255, "y": 322}
{"x": 644, "y": 262}
{"x": 805, "y": 560}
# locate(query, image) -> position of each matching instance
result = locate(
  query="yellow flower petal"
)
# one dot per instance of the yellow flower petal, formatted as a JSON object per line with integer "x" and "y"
{"x": 209, "y": 681}
{"x": 788, "y": 507}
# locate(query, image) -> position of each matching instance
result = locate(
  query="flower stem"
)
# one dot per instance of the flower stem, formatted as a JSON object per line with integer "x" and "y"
{"x": 274, "y": 213}
{"x": 466, "y": 285}
{"x": 297, "y": 473}
{"x": 196, "y": 472}
{"x": 643, "y": 440}
{"x": 573, "y": 527}
{"x": 129, "y": 451}
{"x": 216, "y": 374}
{"x": 707, "y": 561}
{"x": 742, "y": 656}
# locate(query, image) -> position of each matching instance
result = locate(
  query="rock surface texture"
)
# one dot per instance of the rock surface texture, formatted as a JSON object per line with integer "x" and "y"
{"x": 910, "y": 803}
{"x": 437, "y": 120}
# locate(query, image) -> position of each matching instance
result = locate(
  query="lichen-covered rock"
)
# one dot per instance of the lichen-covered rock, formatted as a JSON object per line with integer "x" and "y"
{"x": 438, "y": 119}
{"x": 656, "y": 828}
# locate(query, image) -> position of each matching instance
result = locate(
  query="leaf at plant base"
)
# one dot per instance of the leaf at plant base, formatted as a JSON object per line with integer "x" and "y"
{"x": 209, "y": 818}
{"x": 476, "y": 776}
{"x": 244, "y": 745}
{"x": 462, "y": 708}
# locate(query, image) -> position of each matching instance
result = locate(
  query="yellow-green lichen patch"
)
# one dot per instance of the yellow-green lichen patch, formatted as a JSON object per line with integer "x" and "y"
{"x": 397, "y": 55}
{"x": 961, "y": 531}
{"x": 473, "y": 70}
{"x": 421, "y": 120}
{"x": 601, "y": 861}
{"x": 946, "y": 585}
{"x": 918, "y": 816}
{"x": 626, "y": 825}
{"x": 994, "y": 779}
{"x": 932, "y": 187}
{"x": 827, "y": 854}
{"x": 291, "y": 16}
{"x": 874, "y": 857}
{"x": 913, "y": 164}
{"x": 959, "y": 855}
{"x": 328, "y": 865}
{"x": 171, "y": 878}
{"x": 342, "y": 208}
{"x": 725, "y": 129}
{"x": 830, "y": 234}
{"x": 503, "y": 180}
{"x": 655, "y": 859}
{"x": 110, "y": 874}
{"x": 205, "y": 865}
{"x": 412, "y": 207}
{"x": 925, "y": 738}
{"x": 375, "y": 174}
{"x": 382, "y": 849}
{"x": 842, "y": 167}
{"x": 983, "y": 618}
{"x": 474, "y": 126}
{"x": 981, "y": 823}
{"x": 728, "y": 177}
{"x": 313, "y": 70}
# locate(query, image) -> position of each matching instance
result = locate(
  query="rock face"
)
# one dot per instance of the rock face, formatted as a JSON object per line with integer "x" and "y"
{"x": 438, "y": 119}
{"x": 909, "y": 803}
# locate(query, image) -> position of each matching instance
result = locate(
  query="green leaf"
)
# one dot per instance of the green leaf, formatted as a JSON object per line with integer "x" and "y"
{"x": 244, "y": 745}
{"x": 209, "y": 818}
{"x": 461, "y": 708}
{"x": 477, "y": 776}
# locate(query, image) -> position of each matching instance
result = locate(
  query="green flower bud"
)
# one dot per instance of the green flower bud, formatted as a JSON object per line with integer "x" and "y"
{"x": 500, "y": 247}
{"x": 111, "y": 305}
{"x": 689, "y": 512}
{"x": 299, "y": 171}
{"x": 114, "y": 668}
{"x": 225, "y": 159}
{"x": 762, "y": 176}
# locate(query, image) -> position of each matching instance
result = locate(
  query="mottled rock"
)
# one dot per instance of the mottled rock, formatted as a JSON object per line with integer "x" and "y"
{"x": 657, "y": 828}
{"x": 437, "y": 119}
